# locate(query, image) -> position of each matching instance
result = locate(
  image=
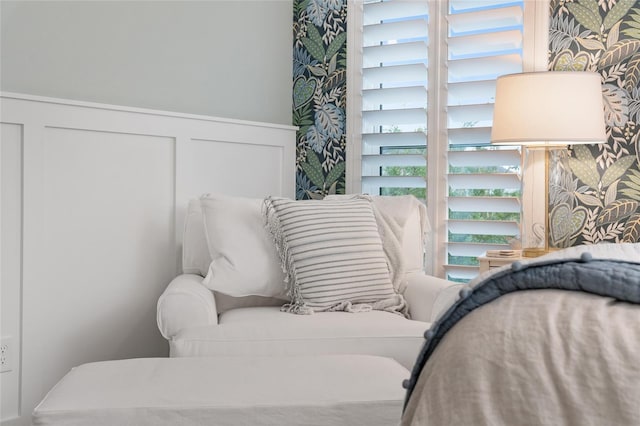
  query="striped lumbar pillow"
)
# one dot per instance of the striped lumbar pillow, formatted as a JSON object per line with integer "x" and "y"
{"x": 332, "y": 255}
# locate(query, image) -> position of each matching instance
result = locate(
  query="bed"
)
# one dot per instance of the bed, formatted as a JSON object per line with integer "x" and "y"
{"x": 549, "y": 341}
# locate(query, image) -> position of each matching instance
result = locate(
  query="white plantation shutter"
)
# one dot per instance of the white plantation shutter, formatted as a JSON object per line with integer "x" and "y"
{"x": 483, "y": 40}
{"x": 394, "y": 97}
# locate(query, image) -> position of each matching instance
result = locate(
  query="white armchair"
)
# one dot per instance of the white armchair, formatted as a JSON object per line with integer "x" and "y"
{"x": 200, "y": 322}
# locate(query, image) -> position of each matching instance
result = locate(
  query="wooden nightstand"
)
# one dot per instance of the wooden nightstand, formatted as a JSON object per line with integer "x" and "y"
{"x": 487, "y": 263}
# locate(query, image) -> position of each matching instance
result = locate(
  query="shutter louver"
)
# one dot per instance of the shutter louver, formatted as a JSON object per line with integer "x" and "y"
{"x": 394, "y": 97}
{"x": 484, "y": 42}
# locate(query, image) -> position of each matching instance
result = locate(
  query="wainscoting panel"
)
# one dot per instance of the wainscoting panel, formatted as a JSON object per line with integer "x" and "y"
{"x": 104, "y": 190}
{"x": 258, "y": 168}
{"x": 107, "y": 203}
{"x": 10, "y": 261}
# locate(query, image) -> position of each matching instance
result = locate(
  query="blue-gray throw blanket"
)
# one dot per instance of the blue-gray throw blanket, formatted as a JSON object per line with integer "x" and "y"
{"x": 615, "y": 278}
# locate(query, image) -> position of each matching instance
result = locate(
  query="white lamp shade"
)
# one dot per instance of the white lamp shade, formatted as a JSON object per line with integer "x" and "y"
{"x": 548, "y": 109}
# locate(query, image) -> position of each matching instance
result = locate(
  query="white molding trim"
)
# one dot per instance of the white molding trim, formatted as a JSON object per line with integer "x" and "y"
{"x": 536, "y": 43}
{"x": 536, "y": 46}
{"x": 437, "y": 145}
{"x": 145, "y": 111}
{"x": 353, "y": 171}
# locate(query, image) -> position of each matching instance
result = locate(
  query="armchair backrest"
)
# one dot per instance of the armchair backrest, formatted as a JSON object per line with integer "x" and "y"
{"x": 413, "y": 242}
{"x": 412, "y": 221}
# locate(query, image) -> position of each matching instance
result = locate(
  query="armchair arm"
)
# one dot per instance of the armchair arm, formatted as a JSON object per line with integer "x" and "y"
{"x": 185, "y": 303}
{"x": 428, "y": 296}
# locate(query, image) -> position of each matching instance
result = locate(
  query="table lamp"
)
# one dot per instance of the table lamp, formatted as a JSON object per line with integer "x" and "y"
{"x": 547, "y": 110}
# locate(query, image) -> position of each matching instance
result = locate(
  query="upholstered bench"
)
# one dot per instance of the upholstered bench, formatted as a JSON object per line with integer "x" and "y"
{"x": 302, "y": 390}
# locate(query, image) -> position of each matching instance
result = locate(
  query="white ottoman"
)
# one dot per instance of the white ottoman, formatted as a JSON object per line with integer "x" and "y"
{"x": 301, "y": 390}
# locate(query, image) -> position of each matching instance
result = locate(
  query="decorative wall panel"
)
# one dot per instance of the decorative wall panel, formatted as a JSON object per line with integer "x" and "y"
{"x": 319, "y": 96}
{"x": 10, "y": 261}
{"x": 594, "y": 190}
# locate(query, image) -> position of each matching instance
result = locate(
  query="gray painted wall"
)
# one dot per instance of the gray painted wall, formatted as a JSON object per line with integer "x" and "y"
{"x": 222, "y": 58}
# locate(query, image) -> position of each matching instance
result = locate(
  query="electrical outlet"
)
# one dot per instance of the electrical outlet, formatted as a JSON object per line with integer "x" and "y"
{"x": 6, "y": 354}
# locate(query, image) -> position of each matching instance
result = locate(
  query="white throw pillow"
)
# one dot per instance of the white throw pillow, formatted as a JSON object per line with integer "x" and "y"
{"x": 332, "y": 254}
{"x": 244, "y": 259}
{"x": 195, "y": 253}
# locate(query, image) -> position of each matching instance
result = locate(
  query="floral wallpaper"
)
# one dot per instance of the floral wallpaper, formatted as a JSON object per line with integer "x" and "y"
{"x": 319, "y": 96}
{"x": 594, "y": 190}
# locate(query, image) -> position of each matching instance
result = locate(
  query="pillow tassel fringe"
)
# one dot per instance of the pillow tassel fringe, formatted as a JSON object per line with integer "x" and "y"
{"x": 295, "y": 308}
{"x": 297, "y": 305}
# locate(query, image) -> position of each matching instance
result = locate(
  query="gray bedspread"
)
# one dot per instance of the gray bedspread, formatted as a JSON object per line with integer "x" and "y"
{"x": 555, "y": 340}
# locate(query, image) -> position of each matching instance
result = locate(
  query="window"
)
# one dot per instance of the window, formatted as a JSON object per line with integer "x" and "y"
{"x": 394, "y": 97}
{"x": 426, "y": 98}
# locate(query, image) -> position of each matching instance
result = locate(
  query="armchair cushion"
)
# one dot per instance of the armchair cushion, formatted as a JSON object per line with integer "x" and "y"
{"x": 266, "y": 331}
{"x": 333, "y": 255}
{"x": 226, "y": 303}
{"x": 244, "y": 261}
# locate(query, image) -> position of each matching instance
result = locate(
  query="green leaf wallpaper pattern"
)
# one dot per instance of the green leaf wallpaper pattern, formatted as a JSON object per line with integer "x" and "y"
{"x": 594, "y": 191}
{"x": 319, "y": 96}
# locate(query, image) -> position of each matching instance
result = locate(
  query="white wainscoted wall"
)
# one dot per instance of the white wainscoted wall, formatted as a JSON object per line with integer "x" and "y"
{"x": 93, "y": 200}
